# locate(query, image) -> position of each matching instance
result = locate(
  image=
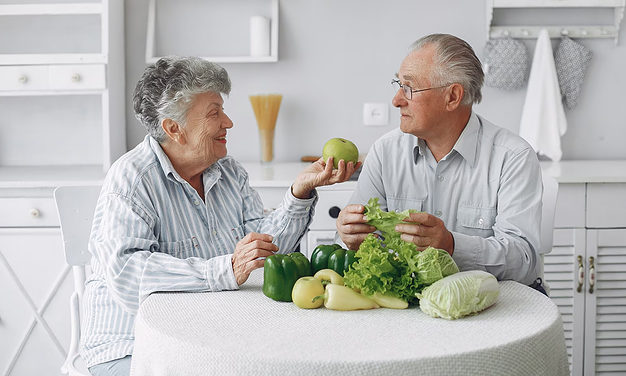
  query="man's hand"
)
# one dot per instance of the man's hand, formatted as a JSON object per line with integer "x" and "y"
{"x": 352, "y": 226}
{"x": 426, "y": 230}
{"x": 247, "y": 252}
{"x": 321, "y": 173}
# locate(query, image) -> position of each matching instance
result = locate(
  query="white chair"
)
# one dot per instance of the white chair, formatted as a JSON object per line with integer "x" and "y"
{"x": 75, "y": 206}
{"x": 550, "y": 193}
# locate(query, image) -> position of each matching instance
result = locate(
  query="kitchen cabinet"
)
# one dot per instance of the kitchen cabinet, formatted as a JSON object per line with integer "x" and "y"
{"x": 585, "y": 270}
{"x": 36, "y": 281}
{"x": 62, "y": 83}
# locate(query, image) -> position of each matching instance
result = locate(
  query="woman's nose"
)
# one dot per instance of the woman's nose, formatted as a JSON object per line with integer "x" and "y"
{"x": 227, "y": 123}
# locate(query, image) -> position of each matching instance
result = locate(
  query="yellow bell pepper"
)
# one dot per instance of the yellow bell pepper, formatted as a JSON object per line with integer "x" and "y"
{"x": 305, "y": 290}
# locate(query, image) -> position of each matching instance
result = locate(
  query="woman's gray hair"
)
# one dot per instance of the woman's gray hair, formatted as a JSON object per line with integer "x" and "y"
{"x": 167, "y": 87}
{"x": 455, "y": 62}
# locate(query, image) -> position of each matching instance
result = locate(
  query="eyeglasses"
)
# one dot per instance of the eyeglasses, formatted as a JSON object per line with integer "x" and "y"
{"x": 408, "y": 91}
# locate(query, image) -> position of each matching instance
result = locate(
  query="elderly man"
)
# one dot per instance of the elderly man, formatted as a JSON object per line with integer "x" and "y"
{"x": 177, "y": 213}
{"x": 478, "y": 186}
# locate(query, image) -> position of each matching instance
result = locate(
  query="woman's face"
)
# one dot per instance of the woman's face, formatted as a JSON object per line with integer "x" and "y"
{"x": 206, "y": 127}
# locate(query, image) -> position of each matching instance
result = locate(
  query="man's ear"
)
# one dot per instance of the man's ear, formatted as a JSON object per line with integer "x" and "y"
{"x": 173, "y": 130}
{"x": 454, "y": 96}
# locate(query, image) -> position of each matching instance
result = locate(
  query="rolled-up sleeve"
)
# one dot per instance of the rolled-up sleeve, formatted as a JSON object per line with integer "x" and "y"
{"x": 124, "y": 244}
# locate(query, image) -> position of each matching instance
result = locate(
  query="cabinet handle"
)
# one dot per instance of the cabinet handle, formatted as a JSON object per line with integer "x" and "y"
{"x": 76, "y": 77}
{"x": 592, "y": 274}
{"x": 581, "y": 274}
{"x": 22, "y": 79}
{"x": 334, "y": 211}
{"x": 34, "y": 213}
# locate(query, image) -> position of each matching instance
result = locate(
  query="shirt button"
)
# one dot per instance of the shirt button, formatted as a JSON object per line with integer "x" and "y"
{"x": 440, "y": 177}
{"x": 438, "y": 213}
{"x": 481, "y": 221}
{"x": 196, "y": 202}
{"x": 214, "y": 233}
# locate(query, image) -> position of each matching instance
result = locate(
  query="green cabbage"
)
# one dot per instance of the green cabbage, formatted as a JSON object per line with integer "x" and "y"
{"x": 459, "y": 295}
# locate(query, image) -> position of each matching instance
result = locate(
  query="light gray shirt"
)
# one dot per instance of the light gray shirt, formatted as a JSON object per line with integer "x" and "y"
{"x": 153, "y": 232}
{"x": 487, "y": 191}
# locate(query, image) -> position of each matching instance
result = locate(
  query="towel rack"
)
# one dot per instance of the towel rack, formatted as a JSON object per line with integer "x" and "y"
{"x": 556, "y": 31}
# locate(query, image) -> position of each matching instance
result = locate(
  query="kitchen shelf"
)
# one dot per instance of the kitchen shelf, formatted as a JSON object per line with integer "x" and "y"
{"x": 273, "y": 56}
{"x": 555, "y": 31}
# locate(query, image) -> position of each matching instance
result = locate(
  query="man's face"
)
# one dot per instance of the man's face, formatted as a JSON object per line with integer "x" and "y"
{"x": 206, "y": 127}
{"x": 420, "y": 114}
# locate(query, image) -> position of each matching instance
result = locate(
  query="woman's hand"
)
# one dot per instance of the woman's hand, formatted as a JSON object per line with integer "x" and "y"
{"x": 321, "y": 173}
{"x": 247, "y": 253}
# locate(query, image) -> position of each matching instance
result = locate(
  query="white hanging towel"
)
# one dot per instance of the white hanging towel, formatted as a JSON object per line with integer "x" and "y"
{"x": 543, "y": 118}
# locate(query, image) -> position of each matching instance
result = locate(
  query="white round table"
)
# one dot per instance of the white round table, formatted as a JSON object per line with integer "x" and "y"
{"x": 245, "y": 333}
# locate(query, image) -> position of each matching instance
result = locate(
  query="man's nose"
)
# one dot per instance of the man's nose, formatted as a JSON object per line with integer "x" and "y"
{"x": 399, "y": 99}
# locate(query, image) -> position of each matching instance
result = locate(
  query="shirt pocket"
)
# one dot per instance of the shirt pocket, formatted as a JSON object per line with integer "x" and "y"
{"x": 237, "y": 233}
{"x": 180, "y": 249}
{"x": 476, "y": 220}
{"x": 402, "y": 204}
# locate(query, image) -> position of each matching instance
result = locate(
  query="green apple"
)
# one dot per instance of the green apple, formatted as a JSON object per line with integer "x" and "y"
{"x": 340, "y": 148}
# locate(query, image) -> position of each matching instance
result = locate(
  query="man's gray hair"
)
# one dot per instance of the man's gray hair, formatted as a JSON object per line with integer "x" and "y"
{"x": 455, "y": 62}
{"x": 167, "y": 87}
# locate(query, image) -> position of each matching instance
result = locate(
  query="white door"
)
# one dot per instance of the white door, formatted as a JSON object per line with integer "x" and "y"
{"x": 605, "y": 314}
{"x": 564, "y": 270}
{"x": 35, "y": 286}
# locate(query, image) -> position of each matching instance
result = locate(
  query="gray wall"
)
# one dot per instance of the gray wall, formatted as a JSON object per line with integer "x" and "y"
{"x": 334, "y": 55}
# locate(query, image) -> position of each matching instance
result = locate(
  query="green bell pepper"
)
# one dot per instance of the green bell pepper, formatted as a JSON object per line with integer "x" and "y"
{"x": 281, "y": 272}
{"x": 333, "y": 257}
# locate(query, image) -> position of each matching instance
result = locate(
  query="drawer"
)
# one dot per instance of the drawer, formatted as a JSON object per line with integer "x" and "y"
{"x": 606, "y": 205}
{"x": 24, "y": 77}
{"x": 327, "y": 208}
{"x": 77, "y": 77}
{"x": 28, "y": 212}
{"x": 570, "y": 206}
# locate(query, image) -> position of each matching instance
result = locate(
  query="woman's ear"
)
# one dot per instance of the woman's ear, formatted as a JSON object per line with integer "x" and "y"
{"x": 173, "y": 130}
{"x": 454, "y": 96}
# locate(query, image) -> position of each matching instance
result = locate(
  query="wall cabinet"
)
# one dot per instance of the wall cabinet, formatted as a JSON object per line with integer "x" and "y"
{"x": 585, "y": 272}
{"x": 62, "y": 83}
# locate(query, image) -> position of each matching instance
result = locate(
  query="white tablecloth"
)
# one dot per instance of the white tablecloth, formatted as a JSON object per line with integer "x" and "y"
{"x": 245, "y": 333}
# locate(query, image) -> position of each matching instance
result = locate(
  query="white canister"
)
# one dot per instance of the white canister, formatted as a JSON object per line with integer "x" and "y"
{"x": 259, "y": 36}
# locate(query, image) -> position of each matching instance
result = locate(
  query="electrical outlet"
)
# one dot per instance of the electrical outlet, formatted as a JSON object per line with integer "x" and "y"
{"x": 375, "y": 114}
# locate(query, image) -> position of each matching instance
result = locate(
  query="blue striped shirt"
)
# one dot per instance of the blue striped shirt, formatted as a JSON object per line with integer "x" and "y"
{"x": 153, "y": 232}
{"x": 487, "y": 191}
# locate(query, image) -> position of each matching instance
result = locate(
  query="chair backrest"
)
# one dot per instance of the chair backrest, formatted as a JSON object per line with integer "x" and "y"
{"x": 76, "y": 206}
{"x": 550, "y": 193}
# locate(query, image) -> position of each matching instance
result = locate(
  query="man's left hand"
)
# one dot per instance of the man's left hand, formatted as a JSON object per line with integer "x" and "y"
{"x": 322, "y": 173}
{"x": 426, "y": 230}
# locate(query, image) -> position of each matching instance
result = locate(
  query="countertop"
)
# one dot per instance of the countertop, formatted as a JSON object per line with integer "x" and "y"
{"x": 282, "y": 174}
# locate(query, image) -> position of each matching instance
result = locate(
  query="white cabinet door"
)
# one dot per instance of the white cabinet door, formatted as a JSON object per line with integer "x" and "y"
{"x": 605, "y": 314}
{"x": 35, "y": 286}
{"x": 561, "y": 271}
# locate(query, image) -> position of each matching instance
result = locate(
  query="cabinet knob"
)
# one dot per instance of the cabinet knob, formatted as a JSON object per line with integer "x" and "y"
{"x": 334, "y": 211}
{"x": 34, "y": 212}
{"x": 76, "y": 77}
{"x": 22, "y": 79}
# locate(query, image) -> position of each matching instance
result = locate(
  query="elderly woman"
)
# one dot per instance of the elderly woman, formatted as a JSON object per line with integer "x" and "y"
{"x": 177, "y": 214}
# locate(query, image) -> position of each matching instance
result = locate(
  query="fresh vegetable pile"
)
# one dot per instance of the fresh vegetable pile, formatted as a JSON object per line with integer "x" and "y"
{"x": 392, "y": 267}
